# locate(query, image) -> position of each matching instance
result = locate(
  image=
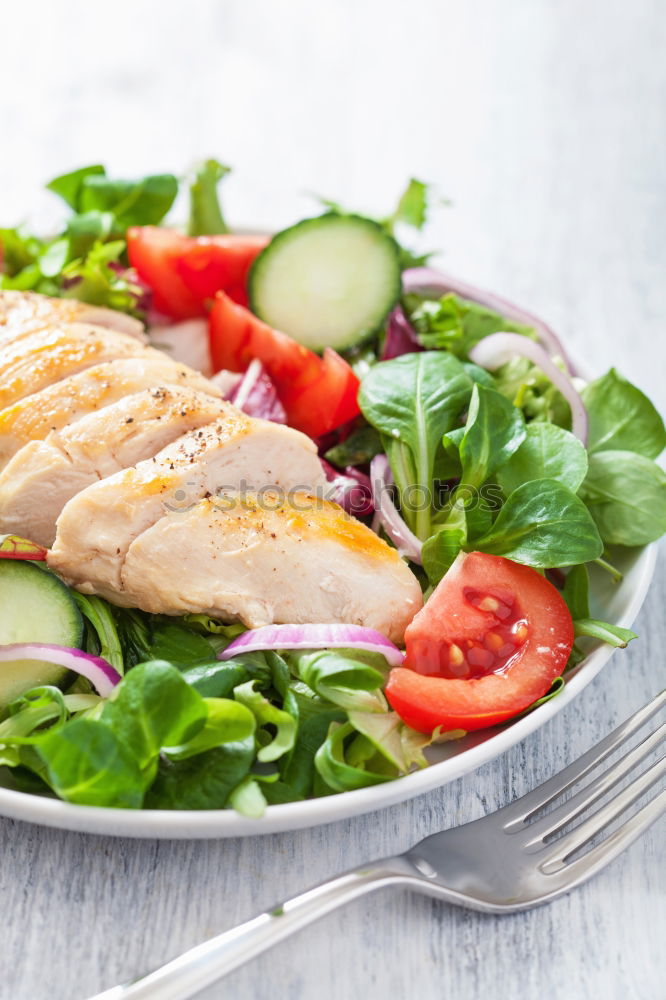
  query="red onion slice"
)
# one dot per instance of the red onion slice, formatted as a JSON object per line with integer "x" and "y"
{"x": 241, "y": 393}
{"x": 400, "y": 336}
{"x": 256, "y": 395}
{"x": 402, "y": 537}
{"x": 494, "y": 351}
{"x": 101, "y": 674}
{"x": 314, "y": 637}
{"x": 15, "y": 547}
{"x": 350, "y": 489}
{"x": 425, "y": 279}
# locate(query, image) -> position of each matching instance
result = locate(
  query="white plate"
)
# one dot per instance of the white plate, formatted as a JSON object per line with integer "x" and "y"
{"x": 616, "y": 603}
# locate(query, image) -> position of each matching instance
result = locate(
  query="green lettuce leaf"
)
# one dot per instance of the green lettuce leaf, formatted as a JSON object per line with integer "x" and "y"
{"x": 548, "y": 452}
{"x": 494, "y": 431}
{"x": 89, "y": 764}
{"x": 268, "y": 714}
{"x": 154, "y": 707}
{"x": 227, "y": 721}
{"x": 342, "y": 774}
{"x": 412, "y": 208}
{"x": 626, "y": 495}
{"x": 358, "y": 449}
{"x": 95, "y": 279}
{"x": 343, "y": 677}
{"x": 205, "y": 212}
{"x": 202, "y": 782}
{"x": 543, "y": 524}
{"x": 622, "y": 418}
{"x": 413, "y": 401}
{"x": 69, "y": 186}
{"x": 142, "y": 202}
{"x": 454, "y": 324}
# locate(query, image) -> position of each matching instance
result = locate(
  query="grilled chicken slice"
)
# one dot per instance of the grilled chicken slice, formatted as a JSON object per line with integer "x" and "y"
{"x": 31, "y": 362}
{"x": 34, "y": 417}
{"x": 44, "y": 475}
{"x": 214, "y": 522}
{"x": 263, "y": 560}
{"x": 97, "y": 527}
{"x": 29, "y": 312}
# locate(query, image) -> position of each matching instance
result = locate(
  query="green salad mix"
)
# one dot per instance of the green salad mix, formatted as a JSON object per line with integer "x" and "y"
{"x": 475, "y": 451}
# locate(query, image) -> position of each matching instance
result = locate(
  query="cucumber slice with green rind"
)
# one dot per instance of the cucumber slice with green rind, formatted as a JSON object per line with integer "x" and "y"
{"x": 35, "y": 606}
{"x": 327, "y": 282}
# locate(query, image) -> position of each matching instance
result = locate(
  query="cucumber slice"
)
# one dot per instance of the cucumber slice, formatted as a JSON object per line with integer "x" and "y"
{"x": 35, "y": 606}
{"x": 327, "y": 282}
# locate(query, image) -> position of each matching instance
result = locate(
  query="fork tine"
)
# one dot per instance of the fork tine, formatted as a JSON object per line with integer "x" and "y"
{"x": 517, "y": 813}
{"x": 583, "y": 868}
{"x": 560, "y": 849}
{"x": 587, "y": 796}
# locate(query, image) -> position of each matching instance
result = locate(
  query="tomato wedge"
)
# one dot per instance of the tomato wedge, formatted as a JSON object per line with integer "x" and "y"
{"x": 185, "y": 272}
{"x": 490, "y": 641}
{"x": 327, "y": 402}
{"x": 318, "y": 394}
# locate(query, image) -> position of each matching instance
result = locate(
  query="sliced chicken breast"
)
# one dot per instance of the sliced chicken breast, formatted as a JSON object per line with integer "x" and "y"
{"x": 29, "y": 311}
{"x": 31, "y": 362}
{"x": 44, "y": 475}
{"x": 235, "y": 452}
{"x": 262, "y": 560}
{"x": 34, "y": 417}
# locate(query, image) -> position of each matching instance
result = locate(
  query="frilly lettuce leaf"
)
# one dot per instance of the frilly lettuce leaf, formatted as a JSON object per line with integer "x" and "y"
{"x": 344, "y": 768}
{"x": 265, "y": 714}
{"x": 350, "y": 679}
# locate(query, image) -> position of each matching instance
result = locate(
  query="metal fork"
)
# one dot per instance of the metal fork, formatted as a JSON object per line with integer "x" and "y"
{"x": 513, "y": 859}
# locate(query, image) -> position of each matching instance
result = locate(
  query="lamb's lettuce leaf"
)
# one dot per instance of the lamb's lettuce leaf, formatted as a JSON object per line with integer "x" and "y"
{"x": 69, "y": 186}
{"x": 89, "y": 764}
{"x": 622, "y": 418}
{"x": 154, "y": 707}
{"x": 626, "y": 495}
{"x": 494, "y": 431}
{"x": 204, "y": 781}
{"x": 413, "y": 401}
{"x": 206, "y": 216}
{"x": 543, "y": 524}
{"x": 548, "y": 452}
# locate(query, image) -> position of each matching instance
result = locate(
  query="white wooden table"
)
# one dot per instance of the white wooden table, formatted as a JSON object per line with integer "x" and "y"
{"x": 544, "y": 122}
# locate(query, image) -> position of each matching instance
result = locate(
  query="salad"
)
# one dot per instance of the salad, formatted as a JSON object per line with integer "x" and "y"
{"x": 450, "y": 424}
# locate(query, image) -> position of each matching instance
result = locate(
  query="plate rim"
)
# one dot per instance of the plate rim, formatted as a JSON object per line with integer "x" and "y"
{"x": 192, "y": 824}
{"x": 224, "y": 823}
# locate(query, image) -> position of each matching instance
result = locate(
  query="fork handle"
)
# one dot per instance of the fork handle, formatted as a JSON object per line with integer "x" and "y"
{"x": 202, "y": 965}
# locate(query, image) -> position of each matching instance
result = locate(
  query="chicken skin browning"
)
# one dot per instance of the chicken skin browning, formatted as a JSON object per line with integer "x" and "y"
{"x": 61, "y": 404}
{"x": 44, "y": 475}
{"x": 268, "y": 558}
